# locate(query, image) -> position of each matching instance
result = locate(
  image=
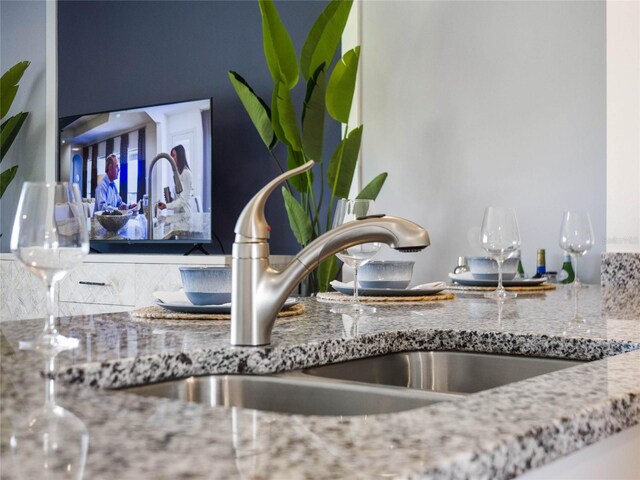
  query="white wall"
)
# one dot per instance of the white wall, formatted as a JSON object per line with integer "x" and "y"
{"x": 471, "y": 104}
{"x": 623, "y": 126}
{"x": 23, "y": 30}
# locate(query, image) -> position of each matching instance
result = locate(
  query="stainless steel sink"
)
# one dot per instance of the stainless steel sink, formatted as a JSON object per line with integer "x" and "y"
{"x": 290, "y": 393}
{"x": 452, "y": 372}
{"x": 384, "y": 384}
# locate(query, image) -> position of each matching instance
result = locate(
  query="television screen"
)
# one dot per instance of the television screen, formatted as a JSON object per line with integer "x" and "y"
{"x": 110, "y": 154}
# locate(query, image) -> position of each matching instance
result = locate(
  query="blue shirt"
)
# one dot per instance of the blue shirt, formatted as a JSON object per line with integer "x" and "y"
{"x": 107, "y": 195}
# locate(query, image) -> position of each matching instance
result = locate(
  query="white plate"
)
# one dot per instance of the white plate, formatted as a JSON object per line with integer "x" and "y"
{"x": 467, "y": 279}
{"x": 390, "y": 292}
{"x": 226, "y": 308}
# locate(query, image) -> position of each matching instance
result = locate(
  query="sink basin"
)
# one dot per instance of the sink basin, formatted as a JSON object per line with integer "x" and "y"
{"x": 384, "y": 384}
{"x": 452, "y": 372}
{"x": 290, "y": 393}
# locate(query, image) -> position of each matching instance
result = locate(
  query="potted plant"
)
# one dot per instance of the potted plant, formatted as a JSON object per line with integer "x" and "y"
{"x": 329, "y": 88}
{"x": 11, "y": 126}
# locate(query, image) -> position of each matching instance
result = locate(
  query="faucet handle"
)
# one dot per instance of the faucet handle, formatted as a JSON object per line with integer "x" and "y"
{"x": 251, "y": 225}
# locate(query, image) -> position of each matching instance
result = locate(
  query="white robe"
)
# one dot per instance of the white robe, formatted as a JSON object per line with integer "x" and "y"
{"x": 184, "y": 200}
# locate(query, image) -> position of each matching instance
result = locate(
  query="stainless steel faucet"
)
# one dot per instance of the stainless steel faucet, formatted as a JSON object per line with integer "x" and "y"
{"x": 176, "y": 179}
{"x": 258, "y": 291}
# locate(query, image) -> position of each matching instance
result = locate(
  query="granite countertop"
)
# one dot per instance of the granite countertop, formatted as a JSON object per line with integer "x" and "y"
{"x": 497, "y": 433}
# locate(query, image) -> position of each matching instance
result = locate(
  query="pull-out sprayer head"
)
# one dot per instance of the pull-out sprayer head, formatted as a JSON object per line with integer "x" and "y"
{"x": 411, "y": 249}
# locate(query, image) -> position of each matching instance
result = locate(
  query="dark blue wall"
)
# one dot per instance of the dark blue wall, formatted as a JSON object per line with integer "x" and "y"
{"x": 119, "y": 54}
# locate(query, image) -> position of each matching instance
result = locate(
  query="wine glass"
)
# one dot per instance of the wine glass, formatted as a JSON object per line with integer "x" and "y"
{"x": 357, "y": 255}
{"x": 576, "y": 238}
{"x": 500, "y": 237}
{"x": 50, "y": 238}
{"x": 51, "y": 442}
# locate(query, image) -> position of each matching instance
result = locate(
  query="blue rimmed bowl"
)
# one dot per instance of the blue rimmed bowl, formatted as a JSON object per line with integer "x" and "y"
{"x": 485, "y": 268}
{"x": 386, "y": 274}
{"x": 207, "y": 285}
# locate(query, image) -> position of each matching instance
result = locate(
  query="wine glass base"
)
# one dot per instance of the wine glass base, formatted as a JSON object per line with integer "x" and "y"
{"x": 352, "y": 308}
{"x": 500, "y": 295}
{"x": 50, "y": 344}
{"x": 51, "y": 443}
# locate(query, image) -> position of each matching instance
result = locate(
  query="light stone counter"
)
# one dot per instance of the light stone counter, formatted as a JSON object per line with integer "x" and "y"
{"x": 196, "y": 226}
{"x": 498, "y": 433}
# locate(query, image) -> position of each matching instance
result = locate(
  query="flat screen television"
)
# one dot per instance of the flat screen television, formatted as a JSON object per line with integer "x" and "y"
{"x": 110, "y": 154}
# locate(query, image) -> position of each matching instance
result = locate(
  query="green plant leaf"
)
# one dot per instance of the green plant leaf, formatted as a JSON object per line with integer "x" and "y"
{"x": 327, "y": 271}
{"x": 313, "y": 115}
{"x": 371, "y": 191}
{"x": 278, "y": 47}
{"x": 341, "y": 86}
{"x": 275, "y": 117}
{"x": 343, "y": 164}
{"x": 258, "y": 110}
{"x": 7, "y": 96}
{"x": 300, "y": 182}
{"x": 284, "y": 114}
{"x": 9, "y": 131}
{"x": 324, "y": 37}
{"x": 6, "y": 177}
{"x": 298, "y": 220}
{"x": 9, "y": 86}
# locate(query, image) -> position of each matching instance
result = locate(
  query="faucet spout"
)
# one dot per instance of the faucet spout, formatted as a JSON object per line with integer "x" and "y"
{"x": 259, "y": 291}
{"x": 398, "y": 233}
{"x": 176, "y": 179}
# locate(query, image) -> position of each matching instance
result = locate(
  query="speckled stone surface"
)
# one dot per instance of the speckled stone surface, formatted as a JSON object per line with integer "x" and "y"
{"x": 620, "y": 270}
{"x": 498, "y": 433}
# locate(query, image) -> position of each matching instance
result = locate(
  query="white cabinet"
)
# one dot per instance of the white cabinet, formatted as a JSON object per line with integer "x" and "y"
{"x": 152, "y": 278}
{"x": 116, "y": 283}
{"x": 67, "y": 309}
{"x": 102, "y": 284}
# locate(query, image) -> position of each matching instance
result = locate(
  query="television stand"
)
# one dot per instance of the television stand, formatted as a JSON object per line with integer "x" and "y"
{"x": 197, "y": 247}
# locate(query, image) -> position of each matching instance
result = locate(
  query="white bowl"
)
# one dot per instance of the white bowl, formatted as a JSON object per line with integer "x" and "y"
{"x": 485, "y": 268}
{"x": 207, "y": 285}
{"x": 385, "y": 274}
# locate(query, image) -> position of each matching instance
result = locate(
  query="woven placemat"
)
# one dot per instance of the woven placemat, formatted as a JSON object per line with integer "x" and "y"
{"x": 341, "y": 297}
{"x": 531, "y": 289}
{"x": 156, "y": 311}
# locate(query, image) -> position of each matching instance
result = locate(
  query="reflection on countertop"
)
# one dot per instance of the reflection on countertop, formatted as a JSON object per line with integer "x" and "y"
{"x": 50, "y": 441}
{"x": 497, "y": 433}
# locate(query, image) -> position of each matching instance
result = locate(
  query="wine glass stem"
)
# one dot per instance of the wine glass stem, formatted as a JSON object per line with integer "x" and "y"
{"x": 49, "y": 395}
{"x": 500, "y": 287}
{"x": 50, "y": 326}
{"x": 576, "y": 282}
{"x": 356, "y": 300}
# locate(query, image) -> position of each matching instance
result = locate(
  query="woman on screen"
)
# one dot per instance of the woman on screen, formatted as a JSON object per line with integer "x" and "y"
{"x": 184, "y": 200}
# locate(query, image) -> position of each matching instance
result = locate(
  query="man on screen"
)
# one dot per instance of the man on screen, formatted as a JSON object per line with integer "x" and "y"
{"x": 107, "y": 196}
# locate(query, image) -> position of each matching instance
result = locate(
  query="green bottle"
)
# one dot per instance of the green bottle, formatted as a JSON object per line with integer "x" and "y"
{"x": 568, "y": 268}
{"x": 520, "y": 269}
